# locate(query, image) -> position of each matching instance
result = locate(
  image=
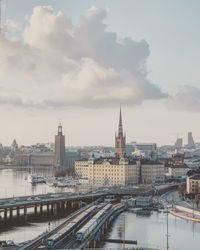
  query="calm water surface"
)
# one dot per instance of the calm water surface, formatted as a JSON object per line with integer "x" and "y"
{"x": 150, "y": 231}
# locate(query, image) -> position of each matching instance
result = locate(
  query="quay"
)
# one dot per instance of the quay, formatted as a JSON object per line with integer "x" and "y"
{"x": 120, "y": 241}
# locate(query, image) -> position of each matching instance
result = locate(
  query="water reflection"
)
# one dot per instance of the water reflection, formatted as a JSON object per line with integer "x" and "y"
{"x": 151, "y": 231}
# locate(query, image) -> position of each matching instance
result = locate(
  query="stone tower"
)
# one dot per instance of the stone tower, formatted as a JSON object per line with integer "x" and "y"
{"x": 120, "y": 140}
{"x": 59, "y": 148}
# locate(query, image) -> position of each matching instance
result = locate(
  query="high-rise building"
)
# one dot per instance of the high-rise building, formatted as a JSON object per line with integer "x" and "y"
{"x": 179, "y": 143}
{"x": 190, "y": 140}
{"x": 120, "y": 140}
{"x": 59, "y": 147}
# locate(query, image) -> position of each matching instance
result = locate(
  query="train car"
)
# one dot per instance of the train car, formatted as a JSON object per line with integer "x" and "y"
{"x": 85, "y": 231}
{"x": 56, "y": 239}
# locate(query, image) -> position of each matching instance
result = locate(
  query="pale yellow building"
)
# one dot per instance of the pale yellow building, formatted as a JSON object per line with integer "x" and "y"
{"x": 193, "y": 184}
{"x": 112, "y": 172}
{"x": 81, "y": 168}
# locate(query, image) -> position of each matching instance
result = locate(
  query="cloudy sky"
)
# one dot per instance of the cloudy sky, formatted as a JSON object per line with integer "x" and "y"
{"x": 79, "y": 60}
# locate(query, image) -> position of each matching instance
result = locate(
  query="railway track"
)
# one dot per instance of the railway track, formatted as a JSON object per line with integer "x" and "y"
{"x": 38, "y": 241}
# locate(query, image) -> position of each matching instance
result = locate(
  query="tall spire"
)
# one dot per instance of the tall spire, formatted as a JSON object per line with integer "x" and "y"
{"x": 120, "y": 128}
{"x": 120, "y": 139}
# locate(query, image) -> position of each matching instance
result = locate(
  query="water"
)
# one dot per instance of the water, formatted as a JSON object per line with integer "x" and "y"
{"x": 13, "y": 183}
{"x": 148, "y": 231}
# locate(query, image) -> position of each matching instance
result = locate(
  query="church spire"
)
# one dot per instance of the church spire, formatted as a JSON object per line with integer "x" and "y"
{"x": 120, "y": 128}
{"x": 120, "y": 139}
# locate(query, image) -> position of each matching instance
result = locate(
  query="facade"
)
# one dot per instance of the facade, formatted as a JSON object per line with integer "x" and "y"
{"x": 152, "y": 172}
{"x": 120, "y": 140}
{"x": 112, "y": 172}
{"x": 81, "y": 168}
{"x": 179, "y": 143}
{"x": 190, "y": 140}
{"x": 56, "y": 159}
{"x": 59, "y": 148}
{"x": 178, "y": 170}
{"x": 193, "y": 184}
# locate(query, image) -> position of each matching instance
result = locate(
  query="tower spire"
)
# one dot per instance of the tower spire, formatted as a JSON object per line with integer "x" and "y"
{"x": 120, "y": 128}
{"x": 120, "y": 139}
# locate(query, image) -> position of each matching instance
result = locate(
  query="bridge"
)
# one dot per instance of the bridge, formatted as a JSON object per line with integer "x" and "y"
{"x": 48, "y": 202}
{"x": 65, "y": 237}
{"x": 54, "y": 202}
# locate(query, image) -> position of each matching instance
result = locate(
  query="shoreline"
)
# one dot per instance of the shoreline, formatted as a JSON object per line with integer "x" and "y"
{"x": 184, "y": 217}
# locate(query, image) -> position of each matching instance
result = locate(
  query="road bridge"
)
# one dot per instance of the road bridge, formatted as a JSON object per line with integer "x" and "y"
{"x": 48, "y": 202}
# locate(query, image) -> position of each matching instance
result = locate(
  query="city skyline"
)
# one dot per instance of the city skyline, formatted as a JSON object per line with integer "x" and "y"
{"x": 156, "y": 81}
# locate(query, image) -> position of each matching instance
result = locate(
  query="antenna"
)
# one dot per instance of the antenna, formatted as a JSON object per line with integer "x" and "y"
{"x": 0, "y": 16}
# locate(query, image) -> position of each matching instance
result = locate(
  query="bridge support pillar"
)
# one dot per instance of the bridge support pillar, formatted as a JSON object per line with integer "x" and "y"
{"x": 55, "y": 209}
{"x": 47, "y": 208}
{"x": 41, "y": 208}
{"x": 52, "y": 206}
{"x": 80, "y": 204}
{"x": 18, "y": 211}
{"x": 11, "y": 213}
{"x": 35, "y": 209}
{"x": 25, "y": 213}
{"x": 5, "y": 214}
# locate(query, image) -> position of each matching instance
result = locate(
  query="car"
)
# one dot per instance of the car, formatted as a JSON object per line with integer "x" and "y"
{"x": 37, "y": 199}
{"x": 12, "y": 202}
{"x": 30, "y": 199}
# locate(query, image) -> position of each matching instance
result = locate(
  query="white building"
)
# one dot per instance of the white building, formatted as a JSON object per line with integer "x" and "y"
{"x": 178, "y": 170}
{"x": 152, "y": 172}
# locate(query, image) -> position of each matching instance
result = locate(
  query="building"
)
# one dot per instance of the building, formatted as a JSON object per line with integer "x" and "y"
{"x": 193, "y": 184}
{"x": 112, "y": 172}
{"x": 120, "y": 140}
{"x": 190, "y": 140}
{"x": 152, "y": 172}
{"x": 179, "y": 143}
{"x": 49, "y": 158}
{"x": 81, "y": 168}
{"x": 145, "y": 150}
{"x": 178, "y": 170}
{"x": 59, "y": 148}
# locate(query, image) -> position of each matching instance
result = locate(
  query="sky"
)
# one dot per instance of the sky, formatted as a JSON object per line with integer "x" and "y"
{"x": 77, "y": 61}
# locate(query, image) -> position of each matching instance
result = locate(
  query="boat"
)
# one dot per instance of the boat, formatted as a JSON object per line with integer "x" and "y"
{"x": 33, "y": 178}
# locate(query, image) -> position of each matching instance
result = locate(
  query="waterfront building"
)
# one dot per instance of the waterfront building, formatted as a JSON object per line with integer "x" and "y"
{"x": 81, "y": 168}
{"x": 57, "y": 158}
{"x": 112, "y": 172}
{"x": 193, "y": 182}
{"x": 59, "y": 147}
{"x": 120, "y": 140}
{"x": 152, "y": 172}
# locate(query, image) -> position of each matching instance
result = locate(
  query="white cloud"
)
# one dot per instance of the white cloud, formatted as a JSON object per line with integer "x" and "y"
{"x": 82, "y": 65}
{"x": 187, "y": 99}
{"x": 12, "y": 26}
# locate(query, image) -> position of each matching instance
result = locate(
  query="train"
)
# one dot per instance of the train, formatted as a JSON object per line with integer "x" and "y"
{"x": 56, "y": 239}
{"x": 85, "y": 231}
